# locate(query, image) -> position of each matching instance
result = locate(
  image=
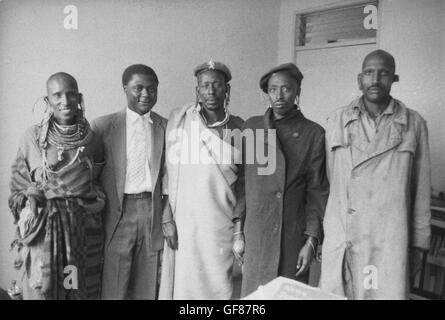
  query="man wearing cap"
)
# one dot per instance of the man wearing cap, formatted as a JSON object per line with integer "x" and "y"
{"x": 283, "y": 223}
{"x": 137, "y": 212}
{"x": 206, "y": 191}
{"x": 379, "y": 206}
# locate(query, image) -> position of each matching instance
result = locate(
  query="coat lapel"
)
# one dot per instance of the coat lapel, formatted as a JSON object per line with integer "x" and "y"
{"x": 357, "y": 136}
{"x": 280, "y": 172}
{"x": 118, "y": 138}
{"x": 157, "y": 143}
{"x": 386, "y": 139}
{"x": 271, "y": 141}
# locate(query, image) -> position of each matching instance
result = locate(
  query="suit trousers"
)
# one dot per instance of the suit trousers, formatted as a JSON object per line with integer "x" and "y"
{"x": 130, "y": 268}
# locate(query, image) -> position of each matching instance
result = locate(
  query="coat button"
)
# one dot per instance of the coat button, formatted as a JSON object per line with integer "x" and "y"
{"x": 351, "y": 211}
{"x": 349, "y": 244}
{"x": 279, "y": 195}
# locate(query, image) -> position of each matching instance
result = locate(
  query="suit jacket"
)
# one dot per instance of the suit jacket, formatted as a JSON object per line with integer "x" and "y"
{"x": 112, "y": 131}
{"x": 282, "y": 208}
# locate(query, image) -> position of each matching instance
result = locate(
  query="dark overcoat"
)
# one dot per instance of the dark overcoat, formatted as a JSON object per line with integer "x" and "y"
{"x": 282, "y": 209}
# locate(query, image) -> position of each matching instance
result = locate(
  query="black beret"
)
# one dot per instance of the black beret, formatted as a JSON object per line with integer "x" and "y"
{"x": 213, "y": 65}
{"x": 289, "y": 67}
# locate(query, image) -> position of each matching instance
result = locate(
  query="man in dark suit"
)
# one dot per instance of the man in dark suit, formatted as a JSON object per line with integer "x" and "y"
{"x": 137, "y": 214}
{"x": 284, "y": 208}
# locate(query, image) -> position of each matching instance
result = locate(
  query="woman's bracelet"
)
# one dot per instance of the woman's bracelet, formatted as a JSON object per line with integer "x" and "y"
{"x": 166, "y": 221}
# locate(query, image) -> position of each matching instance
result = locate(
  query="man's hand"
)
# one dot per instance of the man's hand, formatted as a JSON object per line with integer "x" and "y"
{"x": 238, "y": 247}
{"x": 305, "y": 258}
{"x": 170, "y": 234}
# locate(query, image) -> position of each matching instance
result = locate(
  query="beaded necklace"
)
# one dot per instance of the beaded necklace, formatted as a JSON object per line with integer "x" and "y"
{"x": 67, "y": 137}
{"x": 217, "y": 124}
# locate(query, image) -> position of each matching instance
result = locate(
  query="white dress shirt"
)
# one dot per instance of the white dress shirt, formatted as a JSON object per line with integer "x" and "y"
{"x": 137, "y": 125}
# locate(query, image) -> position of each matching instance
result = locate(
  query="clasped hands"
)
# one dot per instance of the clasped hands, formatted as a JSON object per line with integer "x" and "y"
{"x": 20, "y": 202}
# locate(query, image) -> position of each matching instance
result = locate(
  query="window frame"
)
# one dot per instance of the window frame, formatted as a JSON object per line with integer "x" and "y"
{"x": 333, "y": 6}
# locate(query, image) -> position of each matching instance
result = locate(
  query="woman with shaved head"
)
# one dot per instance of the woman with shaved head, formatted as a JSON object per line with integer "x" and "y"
{"x": 55, "y": 201}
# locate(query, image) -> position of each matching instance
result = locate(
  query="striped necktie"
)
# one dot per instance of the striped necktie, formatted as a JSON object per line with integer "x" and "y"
{"x": 138, "y": 153}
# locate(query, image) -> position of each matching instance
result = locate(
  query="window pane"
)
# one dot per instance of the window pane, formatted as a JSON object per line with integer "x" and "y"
{"x": 334, "y": 26}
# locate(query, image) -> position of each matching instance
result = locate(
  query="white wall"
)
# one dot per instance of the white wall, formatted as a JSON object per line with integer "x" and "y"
{"x": 414, "y": 32}
{"x": 172, "y": 36}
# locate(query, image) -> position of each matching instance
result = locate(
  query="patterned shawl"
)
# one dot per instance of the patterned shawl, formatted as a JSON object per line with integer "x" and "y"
{"x": 67, "y": 229}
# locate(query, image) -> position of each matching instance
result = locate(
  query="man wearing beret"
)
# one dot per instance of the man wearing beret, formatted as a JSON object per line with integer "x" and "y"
{"x": 137, "y": 215}
{"x": 283, "y": 223}
{"x": 379, "y": 207}
{"x": 206, "y": 191}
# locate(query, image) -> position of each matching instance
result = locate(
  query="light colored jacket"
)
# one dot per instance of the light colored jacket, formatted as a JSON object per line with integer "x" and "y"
{"x": 379, "y": 203}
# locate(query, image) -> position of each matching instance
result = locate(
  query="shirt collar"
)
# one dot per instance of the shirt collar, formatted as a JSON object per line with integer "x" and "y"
{"x": 295, "y": 112}
{"x": 360, "y": 105}
{"x": 134, "y": 116}
{"x": 395, "y": 107}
